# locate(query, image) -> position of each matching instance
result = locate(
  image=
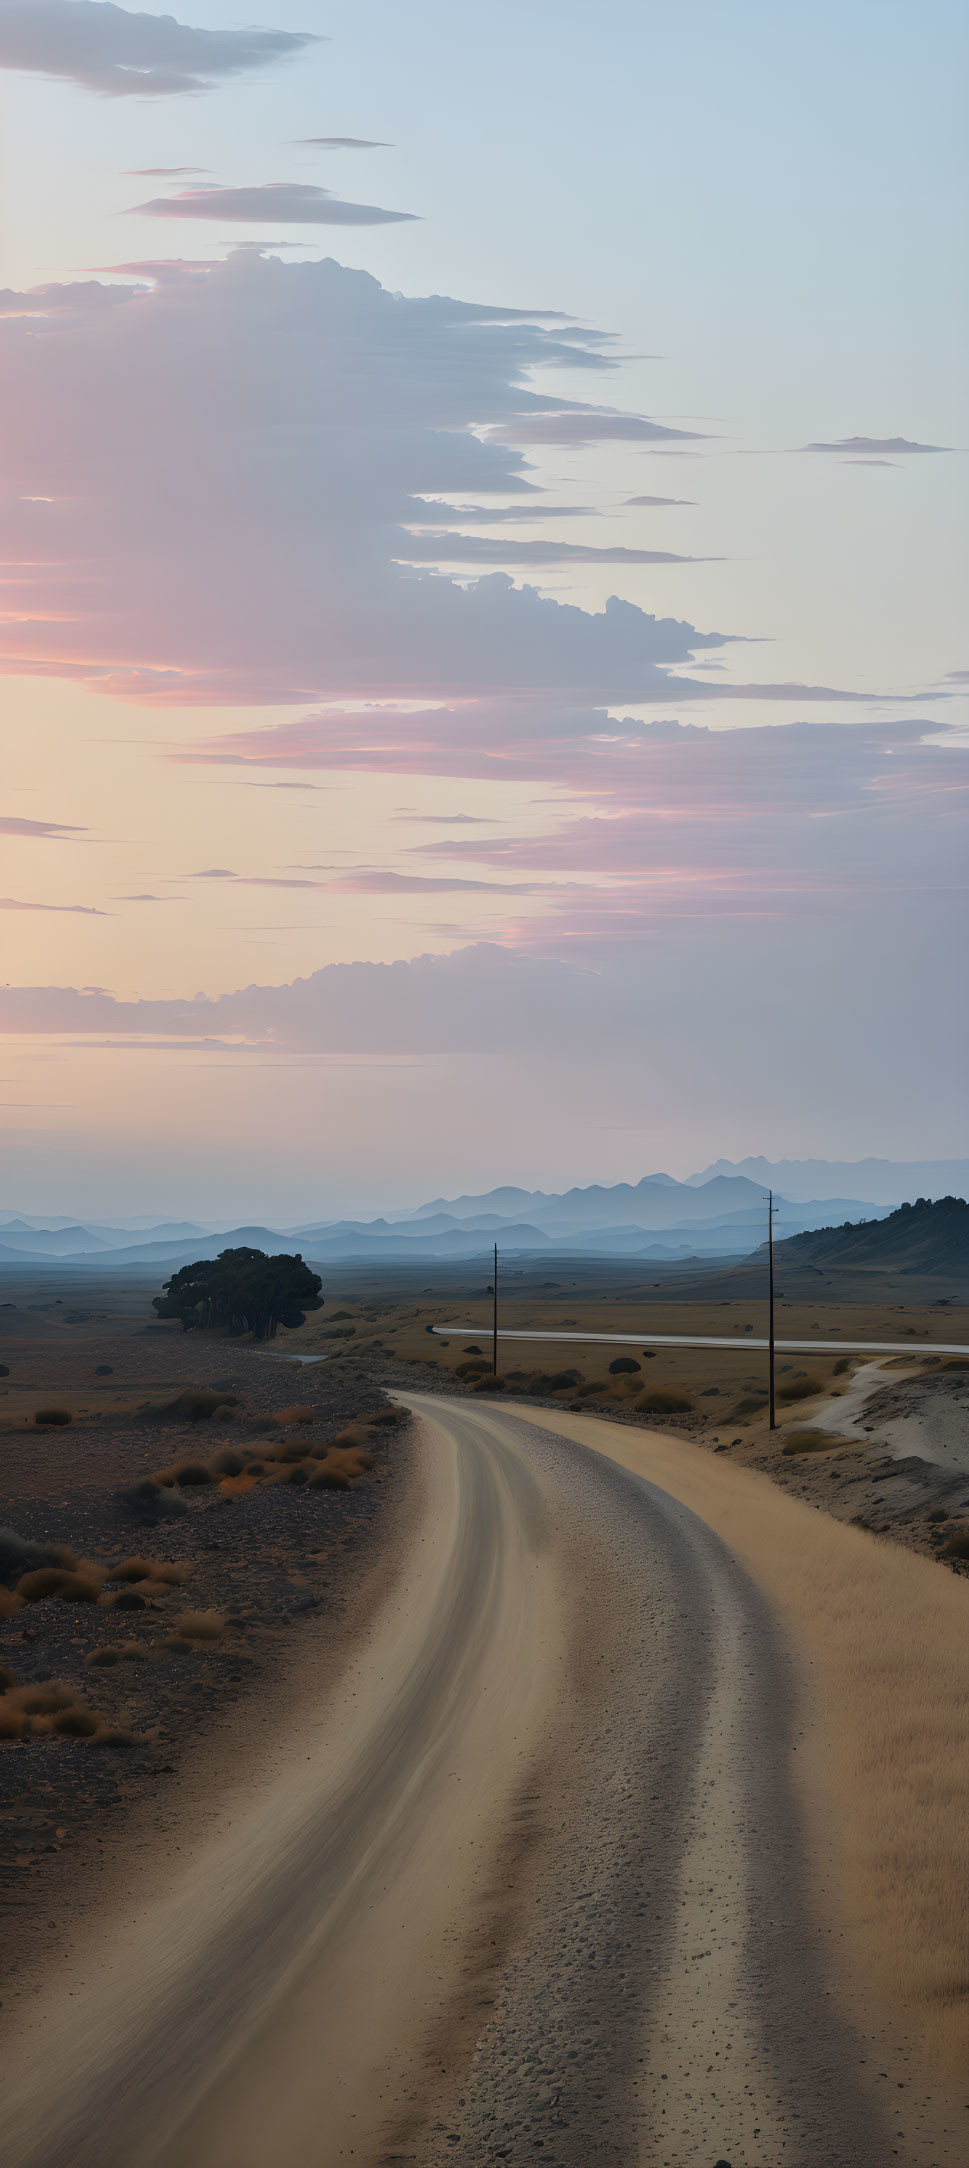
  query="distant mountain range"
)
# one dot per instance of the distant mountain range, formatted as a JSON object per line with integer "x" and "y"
{"x": 720, "y": 1213}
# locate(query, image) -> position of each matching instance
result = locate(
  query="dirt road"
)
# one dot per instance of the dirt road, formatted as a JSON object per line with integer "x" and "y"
{"x": 528, "y": 1875}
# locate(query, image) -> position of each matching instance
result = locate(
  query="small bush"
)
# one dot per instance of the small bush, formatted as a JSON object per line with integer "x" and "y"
{"x": 115, "y": 1735}
{"x": 148, "y": 1502}
{"x": 44, "y": 1700}
{"x": 299, "y": 1474}
{"x": 189, "y": 1473}
{"x": 201, "y": 1626}
{"x": 471, "y": 1369}
{"x": 800, "y": 1389}
{"x": 284, "y": 1418}
{"x": 126, "y": 1600}
{"x": 957, "y": 1545}
{"x": 811, "y": 1441}
{"x": 104, "y": 1370}
{"x": 4, "y": 1370}
{"x": 561, "y": 1379}
{"x": 53, "y": 1581}
{"x": 664, "y": 1403}
{"x": 488, "y": 1384}
{"x": 13, "y": 1722}
{"x": 131, "y": 1569}
{"x": 18, "y": 1555}
{"x": 52, "y": 1418}
{"x": 328, "y": 1477}
{"x": 228, "y": 1463}
{"x": 118, "y": 1652}
{"x": 197, "y": 1403}
{"x": 623, "y": 1365}
{"x": 751, "y": 1405}
{"x": 385, "y": 1416}
{"x": 472, "y": 1350}
{"x": 9, "y": 1603}
{"x": 7, "y": 1679}
{"x": 76, "y": 1723}
{"x": 841, "y": 1366}
{"x": 649, "y": 1354}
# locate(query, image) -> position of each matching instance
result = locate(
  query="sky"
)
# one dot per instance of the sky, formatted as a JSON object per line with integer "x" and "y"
{"x": 483, "y": 649}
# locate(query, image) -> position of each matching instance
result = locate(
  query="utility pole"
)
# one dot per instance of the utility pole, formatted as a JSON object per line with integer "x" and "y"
{"x": 770, "y": 1302}
{"x": 494, "y": 1349}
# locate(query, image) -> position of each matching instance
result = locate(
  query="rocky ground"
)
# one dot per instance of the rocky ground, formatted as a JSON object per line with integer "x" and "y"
{"x": 138, "y": 1668}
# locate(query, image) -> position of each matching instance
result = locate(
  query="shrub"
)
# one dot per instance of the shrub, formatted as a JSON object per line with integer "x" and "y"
{"x": 328, "y": 1477}
{"x": 191, "y": 1472}
{"x": 131, "y": 1569}
{"x": 648, "y": 1354}
{"x": 811, "y": 1441}
{"x": 475, "y": 1369}
{"x": 663, "y": 1403}
{"x": 298, "y": 1474}
{"x": 44, "y": 1700}
{"x": 228, "y": 1463}
{"x": 195, "y": 1405}
{"x": 118, "y": 1652}
{"x": 201, "y": 1626}
{"x": 799, "y": 1389}
{"x": 115, "y": 1735}
{"x": 53, "y": 1581}
{"x": 148, "y": 1502}
{"x": 104, "y": 1370}
{"x": 384, "y": 1415}
{"x": 284, "y": 1418}
{"x": 957, "y": 1545}
{"x": 4, "y": 1370}
{"x": 751, "y": 1405}
{"x": 76, "y": 1723}
{"x": 126, "y": 1600}
{"x": 488, "y": 1384}
{"x": 7, "y": 1679}
{"x": 560, "y": 1379}
{"x": 13, "y": 1723}
{"x": 622, "y": 1365}
{"x": 472, "y": 1350}
{"x": 18, "y": 1555}
{"x": 595, "y": 1385}
{"x": 841, "y": 1366}
{"x": 53, "y": 1418}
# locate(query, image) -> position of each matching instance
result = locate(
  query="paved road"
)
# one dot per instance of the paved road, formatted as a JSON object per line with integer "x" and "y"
{"x": 530, "y": 1878}
{"x": 812, "y": 1346}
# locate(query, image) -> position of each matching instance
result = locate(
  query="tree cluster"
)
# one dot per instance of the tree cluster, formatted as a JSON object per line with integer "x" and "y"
{"x": 243, "y": 1290}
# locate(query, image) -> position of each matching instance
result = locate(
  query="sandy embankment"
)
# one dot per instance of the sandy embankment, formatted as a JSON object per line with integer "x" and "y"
{"x": 882, "y": 1643}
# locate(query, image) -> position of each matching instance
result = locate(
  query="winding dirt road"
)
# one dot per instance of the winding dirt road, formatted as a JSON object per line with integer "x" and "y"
{"x": 528, "y": 1875}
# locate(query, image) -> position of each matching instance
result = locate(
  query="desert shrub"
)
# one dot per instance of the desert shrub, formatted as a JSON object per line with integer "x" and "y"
{"x": 18, "y": 1554}
{"x": 299, "y": 1474}
{"x": 751, "y": 1404}
{"x": 255, "y": 1467}
{"x": 386, "y": 1416}
{"x": 328, "y": 1477}
{"x": 810, "y": 1441}
{"x": 288, "y": 1449}
{"x": 339, "y": 1332}
{"x": 472, "y": 1350}
{"x": 76, "y": 1723}
{"x": 104, "y": 1370}
{"x": 13, "y": 1723}
{"x": 7, "y": 1679}
{"x": 101, "y": 1659}
{"x": 841, "y": 1366}
{"x": 4, "y": 1370}
{"x": 9, "y": 1603}
{"x": 146, "y": 1501}
{"x": 284, "y": 1418}
{"x": 648, "y": 1354}
{"x": 54, "y": 1581}
{"x": 350, "y": 1438}
{"x": 53, "y": 1418}
{"x": 115, "y": 1735}
{"x": 471, "y": 1369}
{"x": 131, "y": 1569}
{"x": 799, "y": 1389}
{"x": 44, "y": 1700}
{"x": 228, "y": 1463}
{"x": 188, "y": 1473}
{"x": 937, "y": 1514}
{"x": 623, "y": 1364}
{"x": 663, "y": 1403}
{"x": 560, "y": 1379}
{"x": 196, "y": 1404}
{"x": 126, "y": 1600}
{"x": 488, "y": 1384}
{"x": 339, "y": 1317}
{"x": 957, "y": 1545}
{"x": 201, "y": 1626}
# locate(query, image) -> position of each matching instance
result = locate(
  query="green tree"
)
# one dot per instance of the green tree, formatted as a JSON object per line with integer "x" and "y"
{"x": 243, "y": 1290}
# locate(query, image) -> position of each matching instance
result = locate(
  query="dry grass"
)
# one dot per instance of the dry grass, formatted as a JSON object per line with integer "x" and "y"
{"x": 286, "y": 1417}
{"x": 664, "y": 1404}
{"x": 118, "y": 1652}
{"x": 54, "y": 1581}
{"x": 799, "y": 1389}
{"x": 816, "y": 1441}
{"x": 884, "y": 1640}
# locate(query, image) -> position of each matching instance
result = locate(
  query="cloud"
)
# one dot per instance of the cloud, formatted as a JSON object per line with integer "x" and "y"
{"x": 874, "y": 444}
{"x": 107, "y": 49}
{"x": 86, "y": 910}
{"x": 149, "y": 899}
{"x": 301, "y": 417}
{"x": 495, "y": 515}
{"x": 660, "y": 500}
{"x": 471, "y": 549}
{"x": 288, "y": 202}
{"x": 162, "y": 173}
{"x": 578, "y": 426}
{"x": 11, "y": 825}
{"x": 214, "y": 873}
{"x": 341, "y": 143}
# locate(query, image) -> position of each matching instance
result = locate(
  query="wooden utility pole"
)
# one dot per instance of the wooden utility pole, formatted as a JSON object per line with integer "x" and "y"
{"x": 770, "y": 1303}
{"x": 494, "y": 1345}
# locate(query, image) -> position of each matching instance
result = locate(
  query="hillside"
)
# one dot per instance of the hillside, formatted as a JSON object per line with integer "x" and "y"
{"x": 923, "y": 1237}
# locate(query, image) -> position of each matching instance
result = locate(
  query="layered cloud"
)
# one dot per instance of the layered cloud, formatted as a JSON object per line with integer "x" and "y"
{"x": 12, "y": 824}
{"x": 272, "y": 203}
{"x": 854, "y": 445}
{"x": 259, "y": 440}
{"x": 109, "y": 49}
